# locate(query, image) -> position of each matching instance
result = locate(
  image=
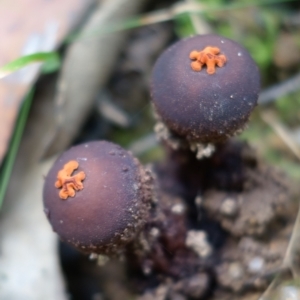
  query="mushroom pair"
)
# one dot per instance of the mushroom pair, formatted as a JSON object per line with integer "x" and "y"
{"x": 97, "y": 195}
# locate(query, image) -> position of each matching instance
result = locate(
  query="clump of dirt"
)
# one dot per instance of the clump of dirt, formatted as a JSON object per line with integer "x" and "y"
{"x": 177, "y": 255}
{"x": 250, "y": 264}
{"x": 263, "y": 201}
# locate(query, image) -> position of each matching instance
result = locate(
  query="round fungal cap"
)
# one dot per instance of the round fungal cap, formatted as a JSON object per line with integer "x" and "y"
{"x": 205, "y": 87}
{"x": 96, "y": 197}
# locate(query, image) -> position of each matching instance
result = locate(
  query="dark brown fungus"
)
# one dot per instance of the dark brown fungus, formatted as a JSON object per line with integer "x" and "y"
{"x": 106, "y": 199}
{"x": 205, "y": 87}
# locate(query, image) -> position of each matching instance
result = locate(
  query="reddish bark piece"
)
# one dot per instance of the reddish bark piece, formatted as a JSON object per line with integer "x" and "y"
{"x": 26, "y": 27}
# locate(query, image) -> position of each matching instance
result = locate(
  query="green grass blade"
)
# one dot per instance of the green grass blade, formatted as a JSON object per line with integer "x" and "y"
{"x": 8, "y": 163}
{"x": 21, "y": 62}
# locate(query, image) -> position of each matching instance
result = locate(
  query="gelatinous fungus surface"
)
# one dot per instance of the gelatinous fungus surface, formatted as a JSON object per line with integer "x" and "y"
{"x": 209, "y": 56}
{"x": 112, "y": 206}
{"x": 68, "y": 183}
{"x": 199, "y": 106}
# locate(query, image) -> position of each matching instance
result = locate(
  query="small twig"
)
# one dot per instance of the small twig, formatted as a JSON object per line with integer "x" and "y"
{"x": 279, "y": 90}
{"x": 163, "y": 15}
{"x": 281, "y": 131}
{"x": 267, "y": 293}
{"x": 154, "y": 17}
{"x": 189, "y": 7}
{"x": 290, "y": 262}
{"x": 292, "y": 255}
{"x": 281, "y": 276}
{"x": 200, "y": 26}
{"x": 170, "y": 12}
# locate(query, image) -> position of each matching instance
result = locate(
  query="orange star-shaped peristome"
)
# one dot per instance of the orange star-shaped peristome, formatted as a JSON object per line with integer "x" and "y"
{"x": 209, "y": 56}
{"x": 69, "y": 184}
